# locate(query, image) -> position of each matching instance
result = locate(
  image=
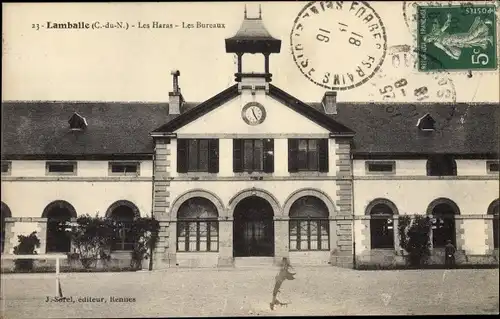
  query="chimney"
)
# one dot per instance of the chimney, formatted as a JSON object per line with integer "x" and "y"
{"x": 175, "y": 97}
{"x": 329, "y": 102}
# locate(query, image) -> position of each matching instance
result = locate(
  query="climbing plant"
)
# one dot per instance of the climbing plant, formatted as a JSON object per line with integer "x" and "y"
{"x": 414, "y": 238}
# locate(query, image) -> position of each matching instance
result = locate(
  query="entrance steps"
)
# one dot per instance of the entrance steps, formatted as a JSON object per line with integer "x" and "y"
{"x": 250, "y": 262}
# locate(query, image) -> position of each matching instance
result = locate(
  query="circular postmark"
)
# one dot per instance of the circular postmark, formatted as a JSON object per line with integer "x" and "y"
{"x": 338, "y": 45}
{"x": 410, "y": 12}
{"x": 402, "y": 87}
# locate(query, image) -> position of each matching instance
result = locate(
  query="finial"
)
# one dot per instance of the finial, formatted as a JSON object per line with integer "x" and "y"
{"x": 245, "y": 11}
{"x": 260, "y": 12}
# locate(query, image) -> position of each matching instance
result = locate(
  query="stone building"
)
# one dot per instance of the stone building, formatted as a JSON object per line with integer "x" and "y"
{"x": 253, "y": 173}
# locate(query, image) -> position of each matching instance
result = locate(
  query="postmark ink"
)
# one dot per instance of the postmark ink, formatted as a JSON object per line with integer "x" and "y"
{"x": 327, "y": 35}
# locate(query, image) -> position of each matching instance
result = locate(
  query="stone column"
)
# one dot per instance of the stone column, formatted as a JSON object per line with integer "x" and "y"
{"x": 344, "y": 203}
{"x": 459, "y": 233}
{"x": 395, "y": 224}
{"x": 162, "y": 257}
{"x": 225, "y": 242}
{"x": 488, "y": 228}
{"x": 281, "y": 239}
{"x": 10, "y": 236}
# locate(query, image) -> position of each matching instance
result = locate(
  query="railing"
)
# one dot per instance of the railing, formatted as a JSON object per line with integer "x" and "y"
{"x": 57, "y": 257}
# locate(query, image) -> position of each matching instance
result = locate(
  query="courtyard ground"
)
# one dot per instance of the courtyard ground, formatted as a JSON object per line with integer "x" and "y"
{"x": 247, "y": 291}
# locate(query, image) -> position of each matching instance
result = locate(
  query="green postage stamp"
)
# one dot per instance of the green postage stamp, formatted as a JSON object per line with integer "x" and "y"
{"x": 457, "y": 37}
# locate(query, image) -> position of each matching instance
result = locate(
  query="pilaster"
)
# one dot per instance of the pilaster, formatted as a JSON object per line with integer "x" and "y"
{"x": 225, "y": 258}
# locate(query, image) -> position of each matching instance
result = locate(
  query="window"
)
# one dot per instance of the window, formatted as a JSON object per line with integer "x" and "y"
{"x": 77, "y": 122}
{"x": 491, "y": 166}
{"x": 381, "y": 226}
{"x": 197, "y": 226}
{"x": 381, "y": 167}
{"x": 6, "y": 167}
{"x": 197, "y": 155}
{"x": 426, "y": 123}
{"x": 309, "y": 224}
{"x": 63, "y": 168}
{"x": 253, "y": 155}
{"x": 123, "y": 168}
{"x": 441, "y": 165}
{"x": 308, "y": 155}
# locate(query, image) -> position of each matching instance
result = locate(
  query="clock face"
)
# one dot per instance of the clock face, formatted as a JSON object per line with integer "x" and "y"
{"x": 253, "y": 113}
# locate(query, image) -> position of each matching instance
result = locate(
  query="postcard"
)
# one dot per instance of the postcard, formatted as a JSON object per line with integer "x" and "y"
{"x": 219, "y": 159}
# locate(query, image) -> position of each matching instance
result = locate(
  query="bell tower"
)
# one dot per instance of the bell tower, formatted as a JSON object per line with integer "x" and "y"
{"x": 253, "y": 38}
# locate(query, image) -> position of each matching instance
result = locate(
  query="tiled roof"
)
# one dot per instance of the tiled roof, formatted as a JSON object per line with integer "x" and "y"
{"x": 392, "y": 128}
{"x": 41, "y": 128}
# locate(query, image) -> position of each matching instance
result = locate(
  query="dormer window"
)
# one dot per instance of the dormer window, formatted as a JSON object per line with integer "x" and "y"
{"x": 77, "y": 122}
{"x": 441, "y": 165}
{"x": 426, "y": 123}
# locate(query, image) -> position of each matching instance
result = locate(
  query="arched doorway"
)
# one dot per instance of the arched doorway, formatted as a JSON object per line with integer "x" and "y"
{"x": 308, "y": 225}
{"x": 197, "y": 226}
{"x": 253, "y": 228}
{"x": 5, "y": 213}
{"x": 381, "y": 212}
{"x": 123, "y": 212}
{"x": 58, "y": 214}
{"x": 443, "y": 211}
{"x": 494, "y": 209}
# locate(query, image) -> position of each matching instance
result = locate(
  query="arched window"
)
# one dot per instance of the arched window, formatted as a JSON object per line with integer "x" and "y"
{"x": 124, "y": 213}
{"x": 381, "y": 225}
{"x": 197, "y": 226}
{"x": 5, "y": 214}
{"x": 441, "y": 165}
{"x": 58, "y": 214}
{"x": 443, "y": 222}
{"x": 309, "y": 227}
{"x": 494, "y": 209}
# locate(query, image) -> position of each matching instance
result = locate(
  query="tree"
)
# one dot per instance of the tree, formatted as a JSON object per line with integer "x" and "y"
{"x": 92, "y": 237}
{"x": 27, "y": 246}
{"x": 414, "y": 238}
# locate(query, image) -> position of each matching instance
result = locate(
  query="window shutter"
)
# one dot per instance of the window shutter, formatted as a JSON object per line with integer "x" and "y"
{"x": 323, "y": 155}
{"x": 269, "y": 156}
{"x": 213, "y": 156}
{"x": 182, "y": 159}
{"x": 293, "y": 149}
{"x": 237, "y": 155}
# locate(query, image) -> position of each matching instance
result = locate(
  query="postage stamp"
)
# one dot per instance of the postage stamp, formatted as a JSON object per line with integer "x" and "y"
{"x": 460, "y": 37}
{"x": 326, "y": 33}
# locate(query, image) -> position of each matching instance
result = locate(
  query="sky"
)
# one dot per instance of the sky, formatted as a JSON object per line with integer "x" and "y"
{"x": 135, "y": 64}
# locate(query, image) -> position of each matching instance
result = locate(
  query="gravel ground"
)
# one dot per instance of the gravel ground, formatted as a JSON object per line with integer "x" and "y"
{"x": 243, "y": 292}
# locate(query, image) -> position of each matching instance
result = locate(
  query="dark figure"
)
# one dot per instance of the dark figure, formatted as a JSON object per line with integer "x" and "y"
{"x": 283, "y": 275}
{"x": 449, "y": 254}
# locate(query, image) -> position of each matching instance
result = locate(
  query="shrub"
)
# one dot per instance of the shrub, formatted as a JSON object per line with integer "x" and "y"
{"x": 27, "y": 246}
{"x": 414, "y": 238}
{"x": 92, "y": 237}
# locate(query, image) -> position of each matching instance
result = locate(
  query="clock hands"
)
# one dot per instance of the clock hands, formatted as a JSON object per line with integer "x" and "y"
{"x": 254, "y": 114}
